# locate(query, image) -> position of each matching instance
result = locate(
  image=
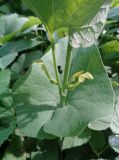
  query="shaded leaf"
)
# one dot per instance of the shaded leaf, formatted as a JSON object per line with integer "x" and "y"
{"x": 7, "y": 119}
{"x": 36, "y": 108}
{"x": 70, "y": 142}
{"x": 50, "y": 149}
{"x": 98, "y": 141}
{"x": 25, "y": 60}
{"x": 4, "y": 80}
{"x": 37, "y": 156}
{"x": 15, "y": 150}
{"x": 6, "y": 131}
{"x": 9, "y": 51}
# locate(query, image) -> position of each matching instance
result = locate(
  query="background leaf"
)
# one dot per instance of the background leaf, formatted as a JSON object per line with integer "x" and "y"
{"x": 115, "y": 121}
{"x": 11, "y": 25}
{"x": 9, "y": 51}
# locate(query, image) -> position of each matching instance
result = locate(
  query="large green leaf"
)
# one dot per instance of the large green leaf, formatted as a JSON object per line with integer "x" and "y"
{"x": 90, "y": 102}
{"x": 39, "y": 99}
{"x": 45, "y": 93}
{"x": 68, "y": 13}
{"x": 83, "y": 21}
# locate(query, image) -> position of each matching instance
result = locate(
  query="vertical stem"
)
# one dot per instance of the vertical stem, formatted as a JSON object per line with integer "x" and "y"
{"x": 55, "y": 68}
{"x": 66, "y": 73}
{"x": 67, "y": 65}
{"x": 62, "y": 90}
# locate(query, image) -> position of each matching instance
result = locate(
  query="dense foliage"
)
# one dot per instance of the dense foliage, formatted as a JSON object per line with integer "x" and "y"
{"x": 59, "y": 80}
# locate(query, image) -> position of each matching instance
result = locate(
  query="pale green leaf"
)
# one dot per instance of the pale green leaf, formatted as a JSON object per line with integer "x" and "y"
{"x": 88, "y": 103}
{"x": 39, "y": 99}
{"x": 39, "y": 109}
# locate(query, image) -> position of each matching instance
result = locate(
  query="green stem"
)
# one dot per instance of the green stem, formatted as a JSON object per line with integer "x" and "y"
{"x": 66, "y": 73}
{"x": 55, "y": 68}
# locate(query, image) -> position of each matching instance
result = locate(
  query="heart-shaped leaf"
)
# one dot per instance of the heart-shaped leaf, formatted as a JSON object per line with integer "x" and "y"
{"x": 90, "y": 102}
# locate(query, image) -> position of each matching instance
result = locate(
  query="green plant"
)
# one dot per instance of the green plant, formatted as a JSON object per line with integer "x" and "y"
{"x": 71, "y": 113}
{"x": 65, "y": 99}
